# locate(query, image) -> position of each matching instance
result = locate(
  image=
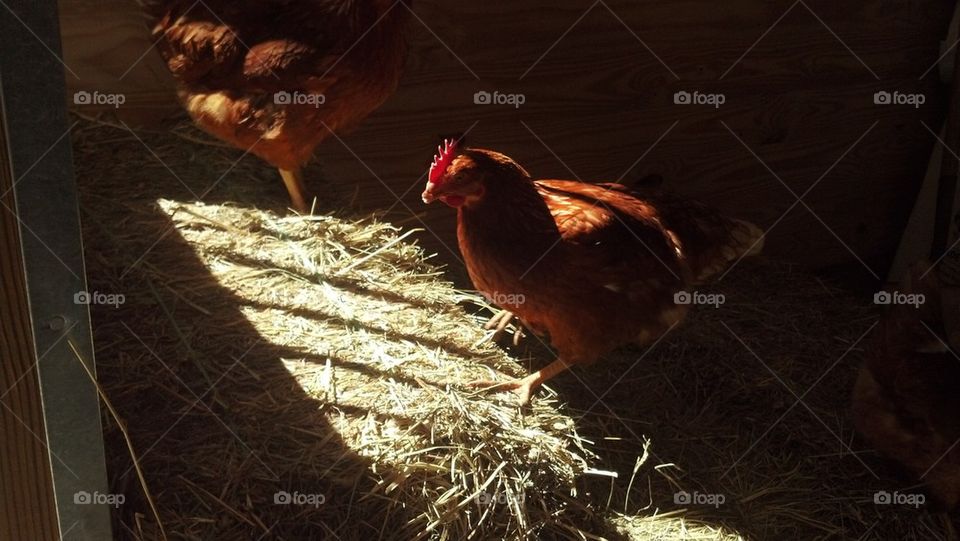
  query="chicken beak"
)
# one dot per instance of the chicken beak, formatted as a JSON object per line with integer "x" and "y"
{"x": 428, "y": 196}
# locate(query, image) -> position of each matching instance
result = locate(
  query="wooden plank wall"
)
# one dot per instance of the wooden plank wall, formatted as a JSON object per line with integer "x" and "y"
{"x": 27, "y": 506}
{"x": 599, "y": 98}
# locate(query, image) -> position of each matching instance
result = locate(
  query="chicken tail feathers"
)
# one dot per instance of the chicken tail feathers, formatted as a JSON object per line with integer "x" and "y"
{"x": 746, "y": 238}
{"x": 710, "y": 241}
{"x": 736, "y": 240}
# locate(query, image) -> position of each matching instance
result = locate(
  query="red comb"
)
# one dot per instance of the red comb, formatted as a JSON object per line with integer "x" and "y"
{"x": 442, "y": 159}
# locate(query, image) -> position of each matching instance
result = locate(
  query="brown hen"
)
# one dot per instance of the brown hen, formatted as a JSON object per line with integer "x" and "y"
{"x": 593, "y": 266}
{"x": 907, "y": 398}
{"x": 276, "y": 77}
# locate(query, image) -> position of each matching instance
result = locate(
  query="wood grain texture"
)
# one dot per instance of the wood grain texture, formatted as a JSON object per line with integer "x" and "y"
{"x": 597, "y": 99}
{"x": 107, "y": 48}
{"x": 27, "y": 505}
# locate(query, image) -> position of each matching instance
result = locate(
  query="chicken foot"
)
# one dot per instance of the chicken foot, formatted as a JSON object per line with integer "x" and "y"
{"x": 524, "y": 387}
{"x": 499, "y": 322}
{"x": 293, "y": 180}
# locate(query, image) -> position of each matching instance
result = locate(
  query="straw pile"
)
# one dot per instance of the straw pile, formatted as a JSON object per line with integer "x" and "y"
{"x": 285, "y": 377}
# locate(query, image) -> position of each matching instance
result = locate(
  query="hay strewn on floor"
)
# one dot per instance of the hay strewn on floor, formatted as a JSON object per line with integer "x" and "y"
{"x": 260, "y": 353}
{"x": 338, "y": 368}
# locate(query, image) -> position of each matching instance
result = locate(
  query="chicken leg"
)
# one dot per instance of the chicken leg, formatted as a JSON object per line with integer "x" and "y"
{"x": 293, "y": 180}
{"x": 524, "y": 387}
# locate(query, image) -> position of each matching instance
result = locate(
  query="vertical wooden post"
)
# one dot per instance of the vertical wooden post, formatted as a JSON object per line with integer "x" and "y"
{"x": 51, "y": 443}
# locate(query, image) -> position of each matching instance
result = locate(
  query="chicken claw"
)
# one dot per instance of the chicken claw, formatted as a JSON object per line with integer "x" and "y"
{"x": 523, "y": 387}
{"x": 517, "y": 335}
{"x": 499, "y": 323}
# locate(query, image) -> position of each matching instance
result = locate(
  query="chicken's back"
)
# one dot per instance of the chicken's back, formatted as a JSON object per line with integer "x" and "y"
{"x": 711, "y": 241}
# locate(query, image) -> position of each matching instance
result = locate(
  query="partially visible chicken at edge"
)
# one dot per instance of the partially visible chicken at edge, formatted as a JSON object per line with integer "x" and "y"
{"x": 276, "y": 77}
{"x": 906, "y": 401}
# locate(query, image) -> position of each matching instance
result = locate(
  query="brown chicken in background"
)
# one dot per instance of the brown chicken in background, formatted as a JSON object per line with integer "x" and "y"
{"x": 906, "y": 401}
{"x": 275, "y": 77}
{"x": 594, "y": 266}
